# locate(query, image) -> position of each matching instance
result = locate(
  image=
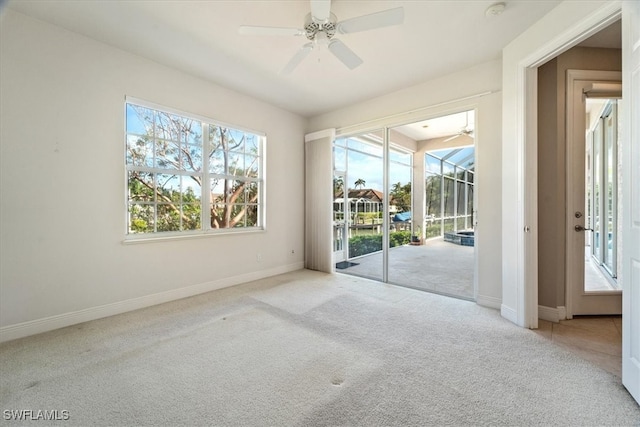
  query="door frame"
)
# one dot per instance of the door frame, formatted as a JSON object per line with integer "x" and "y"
{"x": 610, "y": 302}
{"x": 520, "y": 261}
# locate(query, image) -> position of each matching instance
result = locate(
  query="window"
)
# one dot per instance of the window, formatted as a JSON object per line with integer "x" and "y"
{"x": 190, "y": 175}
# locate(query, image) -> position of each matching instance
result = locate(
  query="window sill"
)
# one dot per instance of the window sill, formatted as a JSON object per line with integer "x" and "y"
{"x": 146, "y": 238}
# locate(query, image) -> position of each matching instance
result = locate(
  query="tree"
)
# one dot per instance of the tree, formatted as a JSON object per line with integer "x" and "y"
{"x": 338, "y": 185}
{"x": 172, "y": 202}
{"x": 359, "y": 183}
{"x": 401, "y": 196}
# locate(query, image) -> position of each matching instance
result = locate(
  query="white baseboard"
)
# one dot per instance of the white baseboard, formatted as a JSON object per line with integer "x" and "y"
{"x": 491, "y": 302}
{"x": 37, "y": 326}
{"x": 509, "y": 313}
{"x": 552, "y": 314}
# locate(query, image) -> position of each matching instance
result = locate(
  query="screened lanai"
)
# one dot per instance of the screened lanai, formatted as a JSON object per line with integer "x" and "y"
{"x": 427, "y": 195}
{"x": 449, "y": 184}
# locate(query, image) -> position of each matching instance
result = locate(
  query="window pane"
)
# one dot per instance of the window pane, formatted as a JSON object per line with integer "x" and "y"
{"x": 339, "y": 158}
{"x": 252, "y": 144}
{"x": 167, "y": 154}
{"x": 141, "y": 187}
{"x": 447, "y": 169}
{"x": 139, "y": 120}
{"x": 191, "y": 157}
{"x": 448, "y": 197}
{"x": 235, "y": 162}
{"x": 461, "y": 198}
{"x": 141, "y": 218}
{"x": 168, "y": 217}
{"x": 432, "y": 164}
{"x": 139, "y": 151}
{"x": 432, "y": 198}
{"x": 252, "y": 164}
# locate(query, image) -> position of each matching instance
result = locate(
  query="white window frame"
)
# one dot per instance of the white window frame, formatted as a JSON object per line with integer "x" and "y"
{"x": 206, "y": 175}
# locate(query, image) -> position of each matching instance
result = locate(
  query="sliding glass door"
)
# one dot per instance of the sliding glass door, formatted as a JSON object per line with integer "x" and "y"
{"x": 359, "y": 204}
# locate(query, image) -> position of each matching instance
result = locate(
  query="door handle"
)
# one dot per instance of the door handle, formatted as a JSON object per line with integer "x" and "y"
{"x": 581, "y": 228}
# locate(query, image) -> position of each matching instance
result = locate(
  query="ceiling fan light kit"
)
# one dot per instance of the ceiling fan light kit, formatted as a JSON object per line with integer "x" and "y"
{"x": 320, "y": 28}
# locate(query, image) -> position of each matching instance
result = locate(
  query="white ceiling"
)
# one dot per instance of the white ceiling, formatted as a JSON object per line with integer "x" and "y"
{"x": 201, "y": 38}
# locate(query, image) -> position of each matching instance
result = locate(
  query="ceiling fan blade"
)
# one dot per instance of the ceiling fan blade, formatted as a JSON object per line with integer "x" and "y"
{"x": 344, "y": 54}
{"x": 297, "y": 58}
{"x": 385, "y": 18}
{"x": 250, "y": 30}
{"x": 320, "y": 10}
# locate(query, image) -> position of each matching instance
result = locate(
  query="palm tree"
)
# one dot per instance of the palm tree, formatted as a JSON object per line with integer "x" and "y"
{"x": 359, "y": 183}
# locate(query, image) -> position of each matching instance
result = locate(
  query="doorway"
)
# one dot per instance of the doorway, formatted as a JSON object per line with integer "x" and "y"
{"x": 404, "y": 211}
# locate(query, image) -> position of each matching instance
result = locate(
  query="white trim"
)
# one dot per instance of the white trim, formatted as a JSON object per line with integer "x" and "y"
{"x": 524, "y": 273}
{"x": 37, "y": 326}
{"x": 200, "y": 117}
{"x": 508, "y": 313}
{"x": 490, "y": 302}
{"x": 551, "y": 314}
{"x": 326, "y": 133}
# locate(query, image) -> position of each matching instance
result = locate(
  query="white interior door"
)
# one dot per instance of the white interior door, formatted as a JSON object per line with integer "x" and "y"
{"x": 631, "y": 197}
{"x": 583, "y": 299}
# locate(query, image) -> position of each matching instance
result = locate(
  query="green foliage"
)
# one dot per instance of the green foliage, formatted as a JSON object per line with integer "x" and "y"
{"x": 366, "y": 244}
{"x": 399, "y": 238}
{"x": 401, "y": 196}
{"x": 368, "y": 217}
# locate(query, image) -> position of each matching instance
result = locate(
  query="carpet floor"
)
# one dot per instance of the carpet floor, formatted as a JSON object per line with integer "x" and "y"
{"x": 308, "y": 349}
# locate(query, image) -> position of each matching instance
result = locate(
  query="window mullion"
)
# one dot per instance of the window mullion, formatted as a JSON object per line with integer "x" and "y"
{"x": 205, "y": 210}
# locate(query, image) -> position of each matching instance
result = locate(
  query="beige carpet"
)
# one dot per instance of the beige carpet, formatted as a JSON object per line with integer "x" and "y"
{"x": 307, "y": 349}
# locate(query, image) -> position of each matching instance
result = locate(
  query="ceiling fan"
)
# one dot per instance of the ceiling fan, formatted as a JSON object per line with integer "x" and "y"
{"x": 465, "y": 130}
{"x": 320, "y": 27}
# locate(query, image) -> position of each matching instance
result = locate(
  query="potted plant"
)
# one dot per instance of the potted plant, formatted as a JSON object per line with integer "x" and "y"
{"x": 416, "y": 237}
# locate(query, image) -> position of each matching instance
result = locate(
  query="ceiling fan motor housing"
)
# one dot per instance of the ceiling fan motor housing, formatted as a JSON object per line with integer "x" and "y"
{"x": 312, "y": 27}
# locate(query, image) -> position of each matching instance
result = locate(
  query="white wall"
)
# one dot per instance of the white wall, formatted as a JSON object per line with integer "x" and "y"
{"x": 62, "y": 183}
{"x": 452, "y": 93}
{"x": 553, "y": 34}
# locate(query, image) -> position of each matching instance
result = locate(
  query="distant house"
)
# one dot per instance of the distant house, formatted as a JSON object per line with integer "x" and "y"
{"x": 360, "y": 200}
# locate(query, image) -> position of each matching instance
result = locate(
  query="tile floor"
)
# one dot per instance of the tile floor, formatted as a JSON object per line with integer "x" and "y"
{"x": 597, "y": 339}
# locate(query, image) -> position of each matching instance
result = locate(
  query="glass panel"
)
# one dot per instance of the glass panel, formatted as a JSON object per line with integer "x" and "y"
{"x": 432, "y": 164}
{"x": 462, "y": 203}
{"x": 168, "y": 217}
{"x": 366, "y": 144}
{"x": 597, "y": 161}
{"x": 141, "y": 186}
{"x": 448, "y": 169}
{"x": 363, "y": 209}
{"x": 449, "y": 224}
{"x": 400, "y": 157}
{"x": 339, "y": 159}
{"x": 432, "y": 197}
{"x": 167, "y": 154}
{"x": 339, "y": 232}
{"x": 404, "y": 228}
{"x": 141, "y": 218}
{"x": 139, "y": 151}
{"x": 139, "y": 120}
{"x": 470, "y": 205}
{"x": 191, "y": 157}
{"x": 191, "y": 216}
{"x": 449, "y": 197}
{"x": 464, "y": 157}
{"x": 252, "y": 144}
{"x": 610, "y": 187}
